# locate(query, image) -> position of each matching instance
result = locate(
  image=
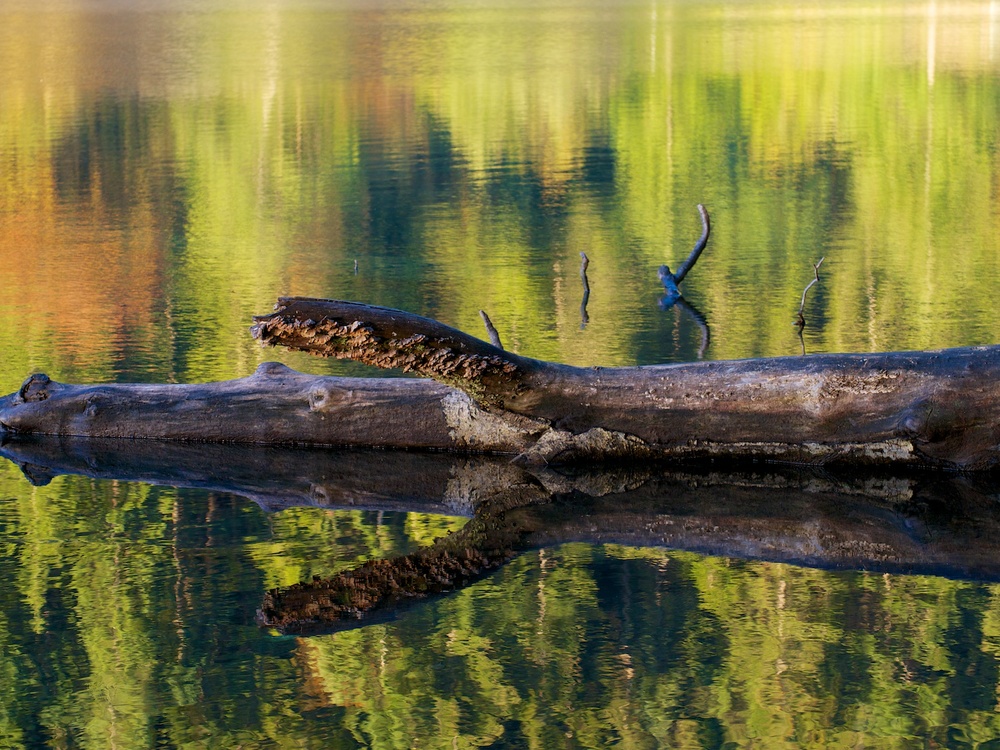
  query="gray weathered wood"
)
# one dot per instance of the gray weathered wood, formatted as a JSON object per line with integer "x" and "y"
{"x": 274, "y": 406}
{"x": 931, "y": 409}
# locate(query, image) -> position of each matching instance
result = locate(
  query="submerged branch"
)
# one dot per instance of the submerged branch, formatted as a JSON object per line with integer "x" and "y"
{"x": 800, "y": 320}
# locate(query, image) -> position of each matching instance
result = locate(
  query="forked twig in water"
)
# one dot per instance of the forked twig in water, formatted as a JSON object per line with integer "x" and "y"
{"x": 800, "y": 320}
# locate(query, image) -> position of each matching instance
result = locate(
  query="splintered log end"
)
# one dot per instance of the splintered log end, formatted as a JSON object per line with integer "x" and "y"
{"x": 393, "y": 339}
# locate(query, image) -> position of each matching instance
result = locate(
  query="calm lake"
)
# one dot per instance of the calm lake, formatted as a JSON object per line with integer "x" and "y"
{"x": 168, "y": 169}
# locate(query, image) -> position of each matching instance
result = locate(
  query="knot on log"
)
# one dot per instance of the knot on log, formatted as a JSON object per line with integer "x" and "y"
{"x": 669, "y": 282}
{"x": 273, "y": 370}
{"x": 35, "y": 388}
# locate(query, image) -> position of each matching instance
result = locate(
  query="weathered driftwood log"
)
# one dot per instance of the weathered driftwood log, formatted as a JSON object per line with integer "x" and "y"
{"x": 274, "y": 406}
{"x": 933, "y": 409}
{"x": 904, "y": 523}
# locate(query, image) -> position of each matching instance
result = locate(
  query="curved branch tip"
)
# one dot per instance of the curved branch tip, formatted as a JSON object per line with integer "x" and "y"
{"x": 706, "y": 230}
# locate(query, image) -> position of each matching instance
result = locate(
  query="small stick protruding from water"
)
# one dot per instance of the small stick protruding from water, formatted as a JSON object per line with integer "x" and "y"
{"x": 670, "y": 279}
{"x": 491, "y": 330}
{"x": 584, "y": 317}
{"x": 800, "y": 320}
{"x": 355, "y": 266}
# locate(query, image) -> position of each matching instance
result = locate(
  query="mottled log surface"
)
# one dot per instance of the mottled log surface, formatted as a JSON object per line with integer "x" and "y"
{"x": 913, "y": 522}
{"x": 274, "y": 406}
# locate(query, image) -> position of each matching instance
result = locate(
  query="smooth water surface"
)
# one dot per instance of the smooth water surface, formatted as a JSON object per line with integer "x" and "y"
{"x": 167, "y": 169}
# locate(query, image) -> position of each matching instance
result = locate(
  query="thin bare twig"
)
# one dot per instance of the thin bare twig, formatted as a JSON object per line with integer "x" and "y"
{"x": 801, "y": 321}
{"x": 491, "y": 330}
{"x": 800, "y": 318}
{"x": 584, "y": 317}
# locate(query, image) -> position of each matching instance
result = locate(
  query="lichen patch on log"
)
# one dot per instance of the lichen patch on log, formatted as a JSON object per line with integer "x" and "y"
{"x": 895, "y": 451}
{"x": 477, "y": 429}
{"x": 597, "y": 443}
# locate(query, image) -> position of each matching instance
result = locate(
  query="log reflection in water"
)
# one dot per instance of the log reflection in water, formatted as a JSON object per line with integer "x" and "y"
{"x": 906, "y": 523}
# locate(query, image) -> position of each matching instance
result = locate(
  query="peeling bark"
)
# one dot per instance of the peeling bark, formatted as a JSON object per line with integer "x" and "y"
{"x": 392, "y": 339}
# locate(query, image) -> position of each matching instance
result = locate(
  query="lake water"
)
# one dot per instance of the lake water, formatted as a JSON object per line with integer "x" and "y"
{"x": 168, "y": 169}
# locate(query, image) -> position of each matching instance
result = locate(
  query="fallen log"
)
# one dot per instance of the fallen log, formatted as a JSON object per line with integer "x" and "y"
{"x": 934, "y": 408}
{"x": 274, "y": 406}
{"x": 938, "y": 409}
